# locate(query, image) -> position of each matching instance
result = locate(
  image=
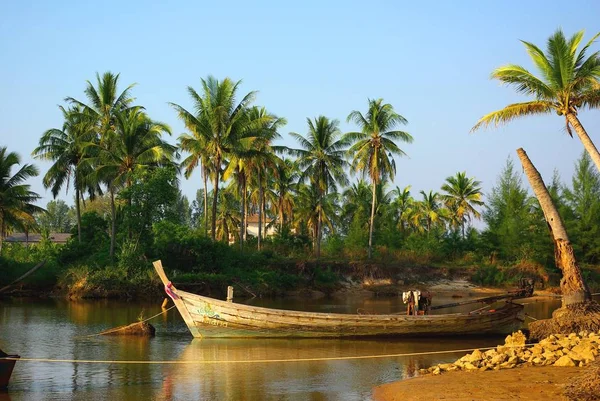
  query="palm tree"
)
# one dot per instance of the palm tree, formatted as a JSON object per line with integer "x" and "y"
{"x": 429, "y": 211}
{"x": 403, "y": 205}
{"x": 104, "y": 103}
{"x": 135, "y": 145}
{"x": 196, "y": 144}
{"x": 16, "y": 199}
{"x": 569, "y": 81}
{"x": 222, "y": 120}
{"x": 284, "y": 185}
{"x": 463, "y": 194}
{"x": 66, "y": 147}
{"x": 322, "y": 161}
{"x": 374, "y": 146}
{"x": 313, "y": 210}
{"x": 227, "y": 216}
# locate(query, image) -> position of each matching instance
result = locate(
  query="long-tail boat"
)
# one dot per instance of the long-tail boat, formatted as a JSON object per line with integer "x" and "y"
{"x": 209, "y": 317}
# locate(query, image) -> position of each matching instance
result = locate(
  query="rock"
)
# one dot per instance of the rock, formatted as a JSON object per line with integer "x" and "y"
{"x": 470, "y": 366}
{"x": 499, "y": 358}
{"x": 475, "y": 356}
{"x": 512, "y": 360}
{"x": 436, "y": 371}
{"x": 564, "y": 361}
{"x": 517, "y": 339}
{"x": 483, "y": 368}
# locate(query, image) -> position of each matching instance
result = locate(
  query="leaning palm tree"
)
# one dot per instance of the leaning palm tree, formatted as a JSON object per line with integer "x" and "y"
{"x": 374, "y": 146}
{"x": 135, "y": 145}
{"x": 403, "y": 205}
{"x": 463, "y": 195}
{"x": 16, "y": 199}
{"x": 66, "y": 148}
{"x": 221, "y": 119}
{"x": 568, "y": 81}
{"x": 428, "y": 212}
{"x": 321, "y": 160}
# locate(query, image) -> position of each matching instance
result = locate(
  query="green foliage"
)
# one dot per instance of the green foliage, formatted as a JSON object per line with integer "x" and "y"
{"x": 58, "y": 218}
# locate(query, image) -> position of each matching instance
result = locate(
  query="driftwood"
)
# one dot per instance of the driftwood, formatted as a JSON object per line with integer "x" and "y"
{"x": 134, "y": 329}
{"x": 24, "y": 276}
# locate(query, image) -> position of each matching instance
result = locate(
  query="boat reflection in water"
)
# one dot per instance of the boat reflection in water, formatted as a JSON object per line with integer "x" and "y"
{"x": 296, "y": 369}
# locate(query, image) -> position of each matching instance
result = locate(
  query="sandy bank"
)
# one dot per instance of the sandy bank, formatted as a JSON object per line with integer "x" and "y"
{"x": 525, "y": 383}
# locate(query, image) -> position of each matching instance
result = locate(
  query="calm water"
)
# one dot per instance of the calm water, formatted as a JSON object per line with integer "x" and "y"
{"x": 55, "y": 329}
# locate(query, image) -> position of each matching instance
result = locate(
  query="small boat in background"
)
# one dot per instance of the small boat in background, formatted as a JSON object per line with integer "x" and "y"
{"x": 7, "y": 363}
{"x": 208, "y": 317}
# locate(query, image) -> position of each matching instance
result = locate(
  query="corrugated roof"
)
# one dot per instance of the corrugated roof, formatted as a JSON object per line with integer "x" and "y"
{"x": 59, "y": 238}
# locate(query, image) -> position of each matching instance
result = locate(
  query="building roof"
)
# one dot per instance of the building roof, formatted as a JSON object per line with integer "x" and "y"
{"x": 58, "y": 238}
{"x": 253, "y": 219}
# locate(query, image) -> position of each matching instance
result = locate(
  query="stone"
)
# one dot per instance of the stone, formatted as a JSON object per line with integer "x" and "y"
{"x": 499, "y": 358}
{"x": 470, "y": 366}
{"x": 475, "y": 356}
{"x": 512, "y": 360}
{"x": 564, "y": 361}
{"x": 445, "y": 366}
{"x": 436, "y": 371}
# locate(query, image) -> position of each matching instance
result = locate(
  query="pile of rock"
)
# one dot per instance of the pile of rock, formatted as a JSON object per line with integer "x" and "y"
{"x": 557, "y": 350}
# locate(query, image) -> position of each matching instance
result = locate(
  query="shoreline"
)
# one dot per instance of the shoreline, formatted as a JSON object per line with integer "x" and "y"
{"x": 524, "y": 383}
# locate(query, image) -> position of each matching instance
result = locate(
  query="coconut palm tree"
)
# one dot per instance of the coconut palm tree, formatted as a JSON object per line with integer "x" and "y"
{"x": 16, "y": 199}
{"x": 314, "y": 210}
{"x": 403, "y": 205}
{"x": 196, "y": 144}
{"x": 321, "y": 160}
{"x": 374, "y": 147}
{"x": 135, "y": 145}
{"x": 568, "y": 82}
{"x": 428, "y": 211}
{"x": 463, "y": 195}
{"x": 285, "y": 180}
{"x": 223, "y": 122}
{"x": 66, "y": 148}
{"x": 228, "y": 218}
{"x": 105, "y": 102}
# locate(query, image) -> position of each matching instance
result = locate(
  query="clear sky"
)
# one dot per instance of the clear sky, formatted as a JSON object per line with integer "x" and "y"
{"x": 430, "y": 59}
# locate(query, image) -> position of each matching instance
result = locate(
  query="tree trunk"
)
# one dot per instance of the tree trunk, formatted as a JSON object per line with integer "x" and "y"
{"x": 242, "y": 209}
{"x": 78, "y": 211}
{"x": 113, "y": 229}
{"x": 246, "y": 210}
{"x": 205, "y": 179}
{"x": 319, "y": 223}
{"x": 280, "y": 216}
{"x": 264, "y": 214}
{"x": 213, "y": 230}
{"x": 373, "y": 201}
{"x": 585, "y": 139}
{"x": 572, "y": 285}
{"x": 260, "y": 190}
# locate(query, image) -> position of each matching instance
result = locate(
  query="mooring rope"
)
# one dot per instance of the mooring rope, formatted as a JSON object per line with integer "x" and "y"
{"x": 124, "y": 327}
{"x": 255, "y": 361}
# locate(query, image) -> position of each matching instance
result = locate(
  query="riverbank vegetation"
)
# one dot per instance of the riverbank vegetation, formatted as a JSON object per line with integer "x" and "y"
{"x": 271, "y": 218}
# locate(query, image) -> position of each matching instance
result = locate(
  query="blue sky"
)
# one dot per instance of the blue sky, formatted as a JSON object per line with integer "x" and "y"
{"x": 430, "y": 59}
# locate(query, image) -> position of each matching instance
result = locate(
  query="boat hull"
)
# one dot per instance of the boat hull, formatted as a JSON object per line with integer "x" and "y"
{"x": 208, "y": 317}
{"x": 6, "y": 369}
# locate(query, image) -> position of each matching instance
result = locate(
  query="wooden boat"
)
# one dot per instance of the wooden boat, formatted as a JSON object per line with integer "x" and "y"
{"x": 6, "y": 368}
{"x": 208, "y": 317}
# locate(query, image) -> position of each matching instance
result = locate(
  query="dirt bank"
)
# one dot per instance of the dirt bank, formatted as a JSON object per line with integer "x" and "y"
{"x": 526, "y": 383}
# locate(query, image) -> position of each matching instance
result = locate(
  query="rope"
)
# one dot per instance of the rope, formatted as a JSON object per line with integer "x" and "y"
{"x": 531, "y": 317}
{"x": 126, "y": 326}
{"x": 255, "y": 361}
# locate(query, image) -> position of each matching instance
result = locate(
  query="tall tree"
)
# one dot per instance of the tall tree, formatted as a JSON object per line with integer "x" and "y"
{"x": 17, "y": 206}
{"x": 583, "y": 200}
{"x": 568, "y": 81}
{"x": 403, "y": 205}
{"x": 135, "y": 145}
{"x": 222, "y": 120}
{"x": 463, "y": 195}
{"x": 284, "y": 185}
{"x": 66, "y": 148}
{"x": 374, "y": 147}
{"x": 429, "y": 211}
{"x": 321, "y": 161}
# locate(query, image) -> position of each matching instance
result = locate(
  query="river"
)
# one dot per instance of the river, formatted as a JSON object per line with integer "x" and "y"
{"x": 59, "y": 329}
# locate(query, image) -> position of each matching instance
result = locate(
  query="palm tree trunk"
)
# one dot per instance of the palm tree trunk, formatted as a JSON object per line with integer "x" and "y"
{"x": 319, "y": 223}
{"x": 213, "y": 231}
{"x": 246, "y": 210}
{"x": 205, "y": 178}
{"x": 1, "y": 235}
{"x": 242, "y": 208}
{"x": 260, "y": 189}
{"x": 585, "y": 139}
{"x": 264, "y": 214}
{"x": 78, "y": 211}
{"x": 280, "y": 216}
{"x": 373, "y": 201}
{"x": 572, "y": 285}
{"x": 113, "y": 230}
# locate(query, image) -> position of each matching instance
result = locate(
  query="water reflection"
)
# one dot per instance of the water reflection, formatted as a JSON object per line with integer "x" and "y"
{"x": 209, "y": 369}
